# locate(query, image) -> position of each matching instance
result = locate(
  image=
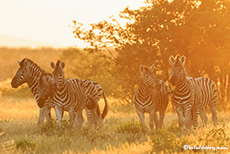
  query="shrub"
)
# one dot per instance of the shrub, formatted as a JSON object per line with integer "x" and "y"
{"x": 26, "y": 144}
{"x": 131, "y": 126}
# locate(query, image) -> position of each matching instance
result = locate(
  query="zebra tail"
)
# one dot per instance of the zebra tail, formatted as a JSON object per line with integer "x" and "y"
{"x": 105, "y": 111}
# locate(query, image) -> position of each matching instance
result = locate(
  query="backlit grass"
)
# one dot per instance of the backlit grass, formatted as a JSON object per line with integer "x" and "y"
{"x": 121, "y": 132}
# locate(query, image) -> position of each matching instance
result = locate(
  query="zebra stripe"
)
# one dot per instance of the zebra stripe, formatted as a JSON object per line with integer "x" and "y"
{"x": 93, "y": 89}
{"x": 151, "y": 96}
{"x": 29, "y": 72}
{"x": 191, "y": 95}
{"x": 70, "y": 96}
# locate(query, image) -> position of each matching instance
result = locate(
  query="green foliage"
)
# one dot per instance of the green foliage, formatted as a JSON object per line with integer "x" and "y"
{"x": 26, "y": 145}
{"x": 131, "y": 126}
{"x": 218, "y": 137}
{"x": 51, "y": 128}
{"x": 132, "y": 130}
{"x": 168, "y": 140}
{"x": 94, "y": 135}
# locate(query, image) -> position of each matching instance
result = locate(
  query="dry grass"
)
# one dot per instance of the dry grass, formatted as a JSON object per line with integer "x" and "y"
{"x": 120, "y": 133}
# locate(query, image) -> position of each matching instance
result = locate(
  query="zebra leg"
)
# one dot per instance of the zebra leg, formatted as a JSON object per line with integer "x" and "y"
{"x": 48, "y": 114}
{"x": 153, "y": 117}
{"x": 141, "y": 117}
{"x": 180, "y": 117}
{"x": 94, "y": 116}
{"x": 71, "y": 115}
{"x": 99, "y": 119}
{"x": 188, "y": 118}
{"x": 203, "y": 116}
{"x": 195, "y": 113}
{"x": 91, "y": 117}
{"x": 62, "y": 114}
{"x": 162, "y": 115}
{"x": 58, "y": 112}
{"x": 41, "y": 116}
{"x": 78, "y": 119}
{"x": 213, "y": 110}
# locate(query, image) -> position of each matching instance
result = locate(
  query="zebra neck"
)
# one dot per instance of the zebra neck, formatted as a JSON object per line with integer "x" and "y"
{"x": 62, "y": 87}
{"x": 143, "y": 89}
{"x": 182, "y": 85}
{"x": 33, "y": 80}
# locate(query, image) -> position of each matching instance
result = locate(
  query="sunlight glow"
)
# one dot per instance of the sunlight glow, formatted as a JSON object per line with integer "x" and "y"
{"x": 48, "y": 21}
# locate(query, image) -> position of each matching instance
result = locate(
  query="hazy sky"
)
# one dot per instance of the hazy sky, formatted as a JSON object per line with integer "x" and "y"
{"x": 49, "y": 20}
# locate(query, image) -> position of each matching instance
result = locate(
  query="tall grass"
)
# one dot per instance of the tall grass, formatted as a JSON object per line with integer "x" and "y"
{"x": 121, "y": 132}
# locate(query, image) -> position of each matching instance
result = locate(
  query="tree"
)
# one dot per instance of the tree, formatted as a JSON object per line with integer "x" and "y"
{"x": 197, "y": 29}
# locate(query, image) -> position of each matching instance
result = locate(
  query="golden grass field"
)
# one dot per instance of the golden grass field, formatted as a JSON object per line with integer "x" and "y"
{"x": 121, "y": 132}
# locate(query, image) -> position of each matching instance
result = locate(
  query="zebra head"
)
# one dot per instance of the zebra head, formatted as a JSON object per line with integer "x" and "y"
{"x": 58, "y": 73}
{"x": 45, "y": 88}
{"x": 22, "y": 74}
{"x": 178, "y": 72}
{"x": 148, "y": 78}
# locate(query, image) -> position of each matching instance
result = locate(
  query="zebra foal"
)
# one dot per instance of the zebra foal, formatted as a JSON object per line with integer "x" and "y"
{"x": 151, "y": 96}
{"x": 191, "y": 95}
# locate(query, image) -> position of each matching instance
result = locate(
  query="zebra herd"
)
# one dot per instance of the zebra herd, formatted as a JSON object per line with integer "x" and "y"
{"x": 190, "y": 96}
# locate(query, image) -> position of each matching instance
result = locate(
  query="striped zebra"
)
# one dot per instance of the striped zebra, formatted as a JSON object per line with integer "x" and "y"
{"x": 71, "y": 96}
{"x": 191, "y": 95}
{"x": 151, "y": 96}
{"x": 95, "y": 90}
{"x": 29, "y": 72}
{"x": 47, "y": 88}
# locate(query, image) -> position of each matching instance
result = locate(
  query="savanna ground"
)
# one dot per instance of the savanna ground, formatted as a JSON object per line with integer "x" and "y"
{"x": 120, "y": 133}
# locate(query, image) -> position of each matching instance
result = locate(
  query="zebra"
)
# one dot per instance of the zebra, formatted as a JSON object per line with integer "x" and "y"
{"x": 47, "y": 88}
{"x": 151, "y": 96}
{"x": 29, "y": 72}
{"x": 71, "y": 96}
{"x": 191, "y": 95}
{"x": 95, "y": 90}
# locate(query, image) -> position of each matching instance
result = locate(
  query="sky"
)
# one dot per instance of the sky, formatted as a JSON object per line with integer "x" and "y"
{"x": 47, "y": 21}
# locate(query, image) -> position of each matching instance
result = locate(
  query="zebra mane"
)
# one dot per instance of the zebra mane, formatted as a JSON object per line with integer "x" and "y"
{"x": 58, "y": 63}
{"x": 28, "y": 61}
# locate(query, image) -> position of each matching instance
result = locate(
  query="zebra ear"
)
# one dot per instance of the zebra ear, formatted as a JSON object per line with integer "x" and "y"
{"x": 63, "y": 64}
{"x": 52, "y": 65}
{"x": 18, "y": 62}
{"x": 171, "y": 60}
{"x": 152, "y": 68}
{"x": 183, "y": 59}
{"x": 141, "y": 68}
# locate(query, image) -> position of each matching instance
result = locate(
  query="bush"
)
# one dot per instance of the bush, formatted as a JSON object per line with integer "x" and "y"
{"x": 216, "y": 137}
{"x": 52, "y": 128}
{"x": 167, "y": 141}
{"x": 26, "y": 144}
{"x": 131, "y": 126}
